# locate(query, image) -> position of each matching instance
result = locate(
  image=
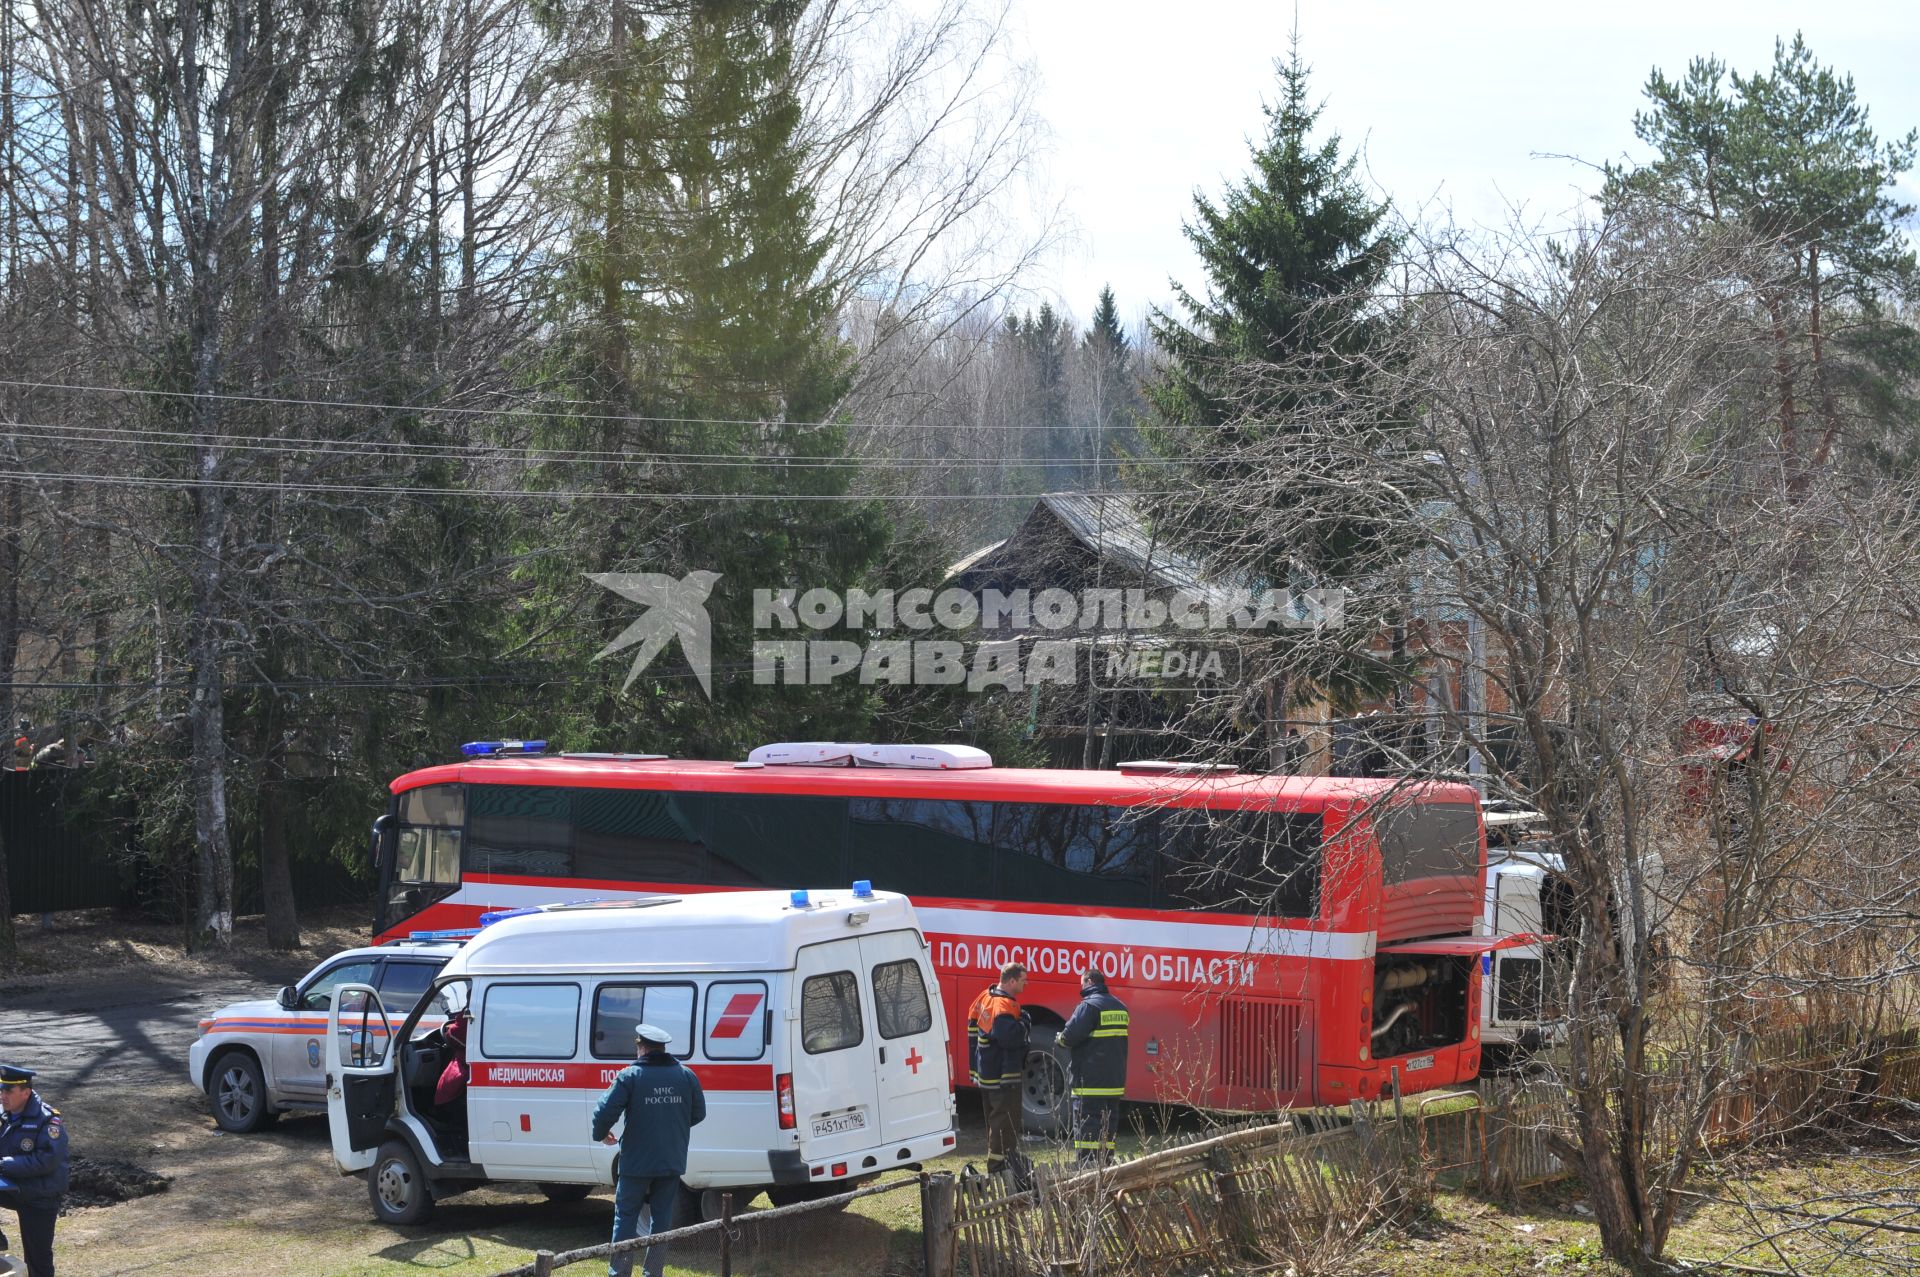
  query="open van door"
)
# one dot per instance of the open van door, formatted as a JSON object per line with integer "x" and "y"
{"x": 361, "y": 1077}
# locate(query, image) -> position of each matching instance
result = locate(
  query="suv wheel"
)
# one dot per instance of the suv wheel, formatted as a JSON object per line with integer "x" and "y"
{"x": 238, "y": 1090}
{"x": 398, "y": 1187}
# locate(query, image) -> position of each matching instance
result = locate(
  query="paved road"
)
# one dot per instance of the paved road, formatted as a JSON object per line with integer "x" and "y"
{"x": 122, "y": 1027}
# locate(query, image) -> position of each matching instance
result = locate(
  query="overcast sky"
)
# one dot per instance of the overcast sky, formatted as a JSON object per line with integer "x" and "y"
{"x": 1464, "y": 104}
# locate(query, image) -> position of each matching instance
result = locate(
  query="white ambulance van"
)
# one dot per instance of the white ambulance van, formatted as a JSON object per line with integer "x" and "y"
{"x": 812, "y": 1019}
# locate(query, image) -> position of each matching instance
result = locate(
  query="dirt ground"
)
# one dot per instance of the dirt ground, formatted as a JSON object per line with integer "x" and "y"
{"x": 106, "y": 1010}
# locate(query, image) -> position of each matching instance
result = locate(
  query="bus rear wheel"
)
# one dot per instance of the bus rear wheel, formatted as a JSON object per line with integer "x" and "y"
{"x": 1046, "y": 1097}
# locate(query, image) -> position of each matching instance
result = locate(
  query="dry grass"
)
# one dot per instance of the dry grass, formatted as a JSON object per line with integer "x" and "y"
{"x": 101, "y": 941}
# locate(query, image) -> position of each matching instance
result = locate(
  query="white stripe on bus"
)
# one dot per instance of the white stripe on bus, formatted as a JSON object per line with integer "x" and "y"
{"x": 1029, "y": 928}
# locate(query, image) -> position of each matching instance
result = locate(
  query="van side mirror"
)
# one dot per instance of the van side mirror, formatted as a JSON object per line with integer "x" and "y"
{"x": 289, "y": 998}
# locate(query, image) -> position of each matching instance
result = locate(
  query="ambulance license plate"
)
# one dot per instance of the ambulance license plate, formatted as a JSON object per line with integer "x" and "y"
{"x": 839, "y": 1125}
{"x": 1420, "y": 1062}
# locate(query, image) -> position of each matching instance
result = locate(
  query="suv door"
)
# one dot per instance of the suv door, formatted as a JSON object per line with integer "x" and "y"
{"x": 299, "y": 1056}
{"x": 833, "y": 1059}
{"x": 360, "y": 1078}
{"x": 909, "y": 1043}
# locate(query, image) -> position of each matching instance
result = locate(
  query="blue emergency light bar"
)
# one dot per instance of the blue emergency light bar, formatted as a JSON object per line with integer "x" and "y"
{"x": 862, "y": 889}
{"x": 458, "y": 933}
{"x": 492, "y": 748}
{"x": 501, "y": 915}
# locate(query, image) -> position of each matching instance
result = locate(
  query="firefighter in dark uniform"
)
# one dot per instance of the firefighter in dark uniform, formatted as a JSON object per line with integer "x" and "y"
{"x": 33, "y": 1165}
{"x": 1096, "y": 1038}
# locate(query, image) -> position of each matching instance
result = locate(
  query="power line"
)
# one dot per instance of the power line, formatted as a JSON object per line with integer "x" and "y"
{"x": 350, "y": 489}
{"x": 407, "y": 451}
{"x": 634, "y": 418}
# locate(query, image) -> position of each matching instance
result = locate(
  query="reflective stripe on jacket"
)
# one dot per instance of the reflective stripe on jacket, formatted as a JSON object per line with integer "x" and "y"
{"x": 1096, "y": 1037}
{"x": 996, "y": 1040}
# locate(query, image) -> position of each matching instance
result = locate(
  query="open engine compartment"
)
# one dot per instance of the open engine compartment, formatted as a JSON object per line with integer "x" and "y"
{"x": 1419, "y": 1002}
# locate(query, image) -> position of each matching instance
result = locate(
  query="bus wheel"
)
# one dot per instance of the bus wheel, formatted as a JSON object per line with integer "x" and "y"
{"x": 1046, "y": 1100}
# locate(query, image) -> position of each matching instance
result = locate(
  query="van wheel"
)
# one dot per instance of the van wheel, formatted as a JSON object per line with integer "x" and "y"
{"x": 1046, "y": 1097}
{"x": 398, "y": 1187}
{"x": 238, "y": 1090}
{"x": 566, "y": 1192}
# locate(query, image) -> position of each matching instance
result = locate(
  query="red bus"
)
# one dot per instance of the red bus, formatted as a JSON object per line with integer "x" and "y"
{"x": 1280, "y": 940}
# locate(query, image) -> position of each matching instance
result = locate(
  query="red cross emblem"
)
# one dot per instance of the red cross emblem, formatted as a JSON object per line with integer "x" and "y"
{"x": 915, "y": 1059}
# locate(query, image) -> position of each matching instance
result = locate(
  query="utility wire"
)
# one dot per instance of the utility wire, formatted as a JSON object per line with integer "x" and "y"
{"x": 274, "y": 401}
{"x": 407, "y": 451}
{"x": 349, "y": 489}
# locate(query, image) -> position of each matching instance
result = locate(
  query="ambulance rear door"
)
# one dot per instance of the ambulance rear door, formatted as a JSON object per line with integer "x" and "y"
{"x": 910, "y": 1037}
{"x": 835, "y": 1086}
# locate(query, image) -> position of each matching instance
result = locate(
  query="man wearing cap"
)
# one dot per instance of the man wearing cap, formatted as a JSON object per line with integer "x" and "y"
{"x": 660, "y": 1099}
{"x": 33, "y": 1165}
{"x": 1096, "y": 1039}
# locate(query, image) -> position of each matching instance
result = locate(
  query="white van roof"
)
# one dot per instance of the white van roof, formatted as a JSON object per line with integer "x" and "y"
{"x": 710, "y": 931}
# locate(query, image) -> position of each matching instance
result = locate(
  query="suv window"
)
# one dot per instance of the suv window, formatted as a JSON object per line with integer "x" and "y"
{"x": 402, "y": 983}
{"x": 318, "y": 996}
{"x": 830, "y": 1012}
{"x": 900, "y": 999}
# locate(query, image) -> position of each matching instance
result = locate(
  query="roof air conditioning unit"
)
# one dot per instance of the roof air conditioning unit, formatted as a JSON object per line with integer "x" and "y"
{"x": 922, "y": 757}
{"x": 1167, "y": 767}
{"x": 813, "y": 753}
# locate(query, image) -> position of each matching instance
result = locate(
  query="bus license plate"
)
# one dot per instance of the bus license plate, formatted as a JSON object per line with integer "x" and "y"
{"x": 839, "y": 1125}
{"x": 1420, "y": 1062}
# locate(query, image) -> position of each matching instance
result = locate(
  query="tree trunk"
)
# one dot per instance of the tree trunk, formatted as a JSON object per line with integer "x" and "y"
{"x": 7, "y": 940}
{"x": 276, "y": 864}
{"x": 615, "y": 255}
{"x": 10, "y": 521}
{"x": 206, "y": 718}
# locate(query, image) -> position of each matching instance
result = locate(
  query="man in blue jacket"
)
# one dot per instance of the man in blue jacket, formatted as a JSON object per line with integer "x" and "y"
{"x": 661, "y": 1100}
{"x": 33, "y": 1165}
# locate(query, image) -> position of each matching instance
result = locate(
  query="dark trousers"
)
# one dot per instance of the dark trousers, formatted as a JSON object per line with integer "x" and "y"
{"x": 1096, "y": 1118}
{"x": 1002, "y": 1104}
{"x": 655, "y": 1194}
{"x": 36, "y": 1233}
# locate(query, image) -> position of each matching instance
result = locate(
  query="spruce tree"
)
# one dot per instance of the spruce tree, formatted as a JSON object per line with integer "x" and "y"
{"x": 1112, "y": 398}
{"x": 1293, "y": 255}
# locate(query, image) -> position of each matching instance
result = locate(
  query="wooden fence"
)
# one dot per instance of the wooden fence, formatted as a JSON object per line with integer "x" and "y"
{"x": 1283, "y": 1193}
{"x": 1295, "y": 1191}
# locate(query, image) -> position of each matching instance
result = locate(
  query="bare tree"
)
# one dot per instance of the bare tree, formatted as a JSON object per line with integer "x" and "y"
{"x": 1683, "y": 651}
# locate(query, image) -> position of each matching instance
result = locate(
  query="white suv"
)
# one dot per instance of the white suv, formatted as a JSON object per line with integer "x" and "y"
{"x": 256, "y": 1060}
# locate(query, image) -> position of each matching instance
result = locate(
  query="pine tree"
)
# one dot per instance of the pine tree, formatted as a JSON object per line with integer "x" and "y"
{"x": 708, "y": 338}
{"x": 1789, "y": 156}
